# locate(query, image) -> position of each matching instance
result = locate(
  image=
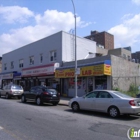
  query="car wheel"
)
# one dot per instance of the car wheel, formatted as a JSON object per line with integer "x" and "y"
{"x": 0, "y": 95}
{"x": 75, "y": 107}
{"x": 7, "y": 96}
{"x": 55, "y": 103}
{"x": 23, "y": 100}
{"x": 38, "y": 101}
{"x": 113, "y": 112}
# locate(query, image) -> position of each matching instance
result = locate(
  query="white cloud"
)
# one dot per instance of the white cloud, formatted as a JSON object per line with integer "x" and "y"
{"x": 50, "y": 22}
{"x": 12, "y": 14}
{"x": 137, "y": 2}
{"x": 127, "y": 33}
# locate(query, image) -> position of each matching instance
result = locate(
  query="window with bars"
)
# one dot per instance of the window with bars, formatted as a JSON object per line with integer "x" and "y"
{"x": 53, "y": 55}
{"x": 31, "y": 59}
{"x": 21, "y": 63}
{"x": 41, "y": 58}
{"x": 5, "y": 66}
{"x": 12, "y": 64}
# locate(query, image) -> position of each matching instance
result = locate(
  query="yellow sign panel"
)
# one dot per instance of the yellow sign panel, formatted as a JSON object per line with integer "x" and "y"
{"x": 95, "y": 70}
{"x": 64, "y": 73}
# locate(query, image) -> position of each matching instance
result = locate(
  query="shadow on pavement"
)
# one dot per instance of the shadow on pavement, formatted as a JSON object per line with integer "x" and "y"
{"x": 105, "y": 115}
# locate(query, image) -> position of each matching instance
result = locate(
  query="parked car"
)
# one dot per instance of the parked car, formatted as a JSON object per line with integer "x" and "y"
{"x": 41, "y": 94}
{"x": 138, "y": 95}
{"x": 112, "y": 102}
{"x": 11, "y": 90}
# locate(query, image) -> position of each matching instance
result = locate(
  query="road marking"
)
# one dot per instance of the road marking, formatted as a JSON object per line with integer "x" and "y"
{"x": 1, "y": 128}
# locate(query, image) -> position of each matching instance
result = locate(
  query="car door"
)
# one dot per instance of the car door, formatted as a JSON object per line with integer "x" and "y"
{"x": 3, "y": 92}
{"x": 88, "y": 101}
{"x": 33, "y": 93}
{"x": 103, "y": 101}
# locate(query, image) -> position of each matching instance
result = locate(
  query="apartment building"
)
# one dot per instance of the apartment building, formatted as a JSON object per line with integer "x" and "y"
{"x": 102, "y": 38}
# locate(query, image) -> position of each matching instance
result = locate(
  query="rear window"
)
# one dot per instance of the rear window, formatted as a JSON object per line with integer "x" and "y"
{"x": 16, "y": 87}
{"x": 51, "y": 91}
{"x": 122, "y": 94}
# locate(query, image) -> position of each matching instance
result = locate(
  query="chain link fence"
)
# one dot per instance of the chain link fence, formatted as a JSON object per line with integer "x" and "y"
{"x": 128, "y": 85}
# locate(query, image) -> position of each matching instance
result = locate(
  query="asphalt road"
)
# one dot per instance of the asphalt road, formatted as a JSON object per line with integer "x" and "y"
{"x": 28, "y": 121}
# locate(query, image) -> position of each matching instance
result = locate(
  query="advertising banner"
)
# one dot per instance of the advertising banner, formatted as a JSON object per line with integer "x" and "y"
{"x": 95, "y": 70}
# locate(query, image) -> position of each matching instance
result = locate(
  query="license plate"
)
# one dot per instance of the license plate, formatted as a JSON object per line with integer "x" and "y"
{"x": 54, "y": 95}
{"x": 138, "y": 103}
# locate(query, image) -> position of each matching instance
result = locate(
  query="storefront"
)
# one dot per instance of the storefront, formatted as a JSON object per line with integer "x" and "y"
{"x": 92, "y": 76}
{"x": 8, "y": 77}
{"x": 39, "y": 75}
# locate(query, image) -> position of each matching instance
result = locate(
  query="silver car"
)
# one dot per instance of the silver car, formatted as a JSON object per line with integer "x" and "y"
{"x": 11, "y": 90}
{"x": 112, "y": 102}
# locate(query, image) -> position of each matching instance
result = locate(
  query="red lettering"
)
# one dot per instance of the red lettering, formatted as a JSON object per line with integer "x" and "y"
{"x": 87, "y": 72}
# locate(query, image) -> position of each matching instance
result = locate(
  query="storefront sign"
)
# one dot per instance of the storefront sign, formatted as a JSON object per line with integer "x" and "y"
{"x": 42, "y": 70}
{"x": 95, "y": 70}
{"x": 65, "y": 73}
{"x": 7, "y": 76}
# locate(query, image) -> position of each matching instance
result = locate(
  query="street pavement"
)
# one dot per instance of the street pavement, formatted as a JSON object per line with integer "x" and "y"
{"x": 64, "y": 101}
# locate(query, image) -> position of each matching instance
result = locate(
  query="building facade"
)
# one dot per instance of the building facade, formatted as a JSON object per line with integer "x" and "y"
{"x": 35, "y": 63}
{"x": 103, "y": 38}
{"x": 136, "y": 57}
{"x": 105, "y": 72}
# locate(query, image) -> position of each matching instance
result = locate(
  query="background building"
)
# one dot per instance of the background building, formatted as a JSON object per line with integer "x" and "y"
{"x": 102, "y": 38}
{"x": 136, "y": 57}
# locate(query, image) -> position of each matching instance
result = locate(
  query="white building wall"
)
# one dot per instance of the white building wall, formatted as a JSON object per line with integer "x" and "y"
{"x": 84, "y": 46}
{"x": 43, "y": 46}
{"x": 61, "y": 42}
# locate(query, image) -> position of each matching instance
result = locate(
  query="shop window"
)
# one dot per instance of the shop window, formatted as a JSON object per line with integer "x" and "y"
{"x": 101, "y": 82}
{"x": 31, "y": 59}
{"x": 12, "y": 64}
{"x": 72, "y": 83}
{"x": 53, "y": 56}
{"x": 90, "y": 84}
{"x": 21, "y": 63}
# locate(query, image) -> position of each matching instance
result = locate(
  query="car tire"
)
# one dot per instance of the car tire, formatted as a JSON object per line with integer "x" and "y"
{"x": 7, "y": 96}
{"x": 0, "y": 95}
{"x": 55, "y": 104}
{"x": 113, "y": 112}
{"x": 38, "y": 101}
{"x": 75, "y": 107}
{"x": 23, "y": 99}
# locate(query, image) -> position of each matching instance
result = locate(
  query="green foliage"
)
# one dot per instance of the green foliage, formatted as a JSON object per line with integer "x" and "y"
{"x": 133, "y": 90}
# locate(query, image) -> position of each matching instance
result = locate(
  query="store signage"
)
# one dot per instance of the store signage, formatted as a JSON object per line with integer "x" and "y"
{"x": 47, "y": 70}
{"x": 65, "y": 73}
{"x": 7, "y": 76}
{"x": 95, "y": 70}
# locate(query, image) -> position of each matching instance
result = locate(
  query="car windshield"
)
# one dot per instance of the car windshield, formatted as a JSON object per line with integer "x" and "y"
{"x": 16, "y": 87}
{"x": 122, "y": 94}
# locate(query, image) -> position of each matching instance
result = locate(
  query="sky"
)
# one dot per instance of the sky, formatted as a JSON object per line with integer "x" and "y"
{"x": 25, "y": 21}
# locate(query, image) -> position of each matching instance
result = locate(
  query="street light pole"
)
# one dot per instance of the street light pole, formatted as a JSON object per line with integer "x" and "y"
{"x": 75, "y": 52}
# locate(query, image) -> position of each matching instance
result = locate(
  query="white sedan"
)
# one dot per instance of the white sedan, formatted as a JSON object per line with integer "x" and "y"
{"x": 112, "y": 102}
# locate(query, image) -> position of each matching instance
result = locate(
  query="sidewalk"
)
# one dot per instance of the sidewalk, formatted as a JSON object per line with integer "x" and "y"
{"x": 64, "y": 101}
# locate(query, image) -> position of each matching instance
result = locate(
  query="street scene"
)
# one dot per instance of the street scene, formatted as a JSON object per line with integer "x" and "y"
{"x": 31, "y": 122}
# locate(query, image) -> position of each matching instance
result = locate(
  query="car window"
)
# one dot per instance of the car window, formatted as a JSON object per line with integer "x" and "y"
{"x": 104, "y": 94}
{"x": 92, "y": 94}
{"x": 121, "y": 94}
{"x": 5, "y": 87}
{"x": 16, "y": 87}
{"x": 33, "y": 89}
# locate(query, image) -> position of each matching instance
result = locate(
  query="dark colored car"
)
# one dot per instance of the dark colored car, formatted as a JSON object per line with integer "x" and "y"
{"x": 138, "y": 95}
{"x": 41, "y": 94}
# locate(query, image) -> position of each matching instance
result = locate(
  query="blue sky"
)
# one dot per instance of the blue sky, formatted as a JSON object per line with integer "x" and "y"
{"x": 25, "y": 21}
